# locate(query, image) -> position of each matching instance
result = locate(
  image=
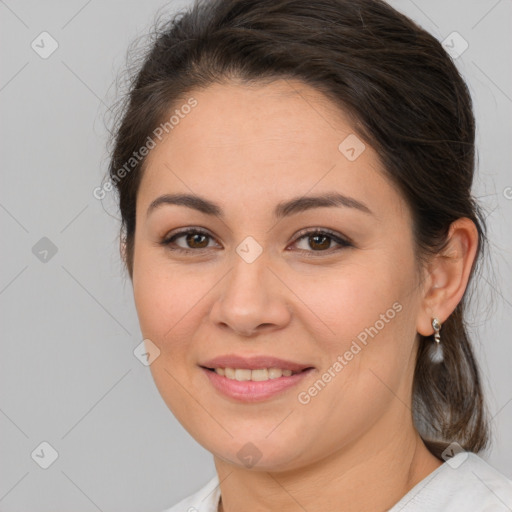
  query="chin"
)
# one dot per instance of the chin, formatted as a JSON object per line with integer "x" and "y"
{"x": 257, "y": 455}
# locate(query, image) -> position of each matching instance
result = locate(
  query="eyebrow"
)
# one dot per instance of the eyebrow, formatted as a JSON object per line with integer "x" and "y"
{"x": 284, "y": 209}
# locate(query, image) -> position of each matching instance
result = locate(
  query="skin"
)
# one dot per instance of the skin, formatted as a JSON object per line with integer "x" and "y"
{"x": 247, "y": 148}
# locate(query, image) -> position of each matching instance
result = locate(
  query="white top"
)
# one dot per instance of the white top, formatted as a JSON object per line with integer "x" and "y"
{"x": 464, "y": 483}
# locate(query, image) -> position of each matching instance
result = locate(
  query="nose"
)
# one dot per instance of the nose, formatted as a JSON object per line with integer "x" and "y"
{"x": 251, "y": 299}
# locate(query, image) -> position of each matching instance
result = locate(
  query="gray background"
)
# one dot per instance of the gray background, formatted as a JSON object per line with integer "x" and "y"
{"x": 69, "y": 327}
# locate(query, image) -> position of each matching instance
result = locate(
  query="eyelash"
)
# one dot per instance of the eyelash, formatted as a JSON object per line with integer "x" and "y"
{"x": 343, "y": 243}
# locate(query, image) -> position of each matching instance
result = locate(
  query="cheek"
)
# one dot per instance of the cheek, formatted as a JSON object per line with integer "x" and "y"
{"x": 168, "y": 304}
{"x": 163, "y": 299}
{"x": 151, "y": 289}
{"x": 366, "y": 361}
{"x": 352, "y": 300}
{"x": 151, "y": 301}
{"x": 367, "y": 331}
{"x": 172, "y": 303}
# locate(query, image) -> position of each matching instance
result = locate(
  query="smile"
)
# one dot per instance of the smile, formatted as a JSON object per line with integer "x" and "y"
{"x": 257, "y": 385}
{"x": 260, "y": 374}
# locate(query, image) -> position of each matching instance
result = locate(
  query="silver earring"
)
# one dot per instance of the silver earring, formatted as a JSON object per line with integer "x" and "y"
{"x": 436, "y": 354}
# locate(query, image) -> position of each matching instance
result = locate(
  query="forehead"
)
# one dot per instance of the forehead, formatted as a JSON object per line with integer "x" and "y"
{"x": 281, "y": 113}
{"x": 266, "y": 141}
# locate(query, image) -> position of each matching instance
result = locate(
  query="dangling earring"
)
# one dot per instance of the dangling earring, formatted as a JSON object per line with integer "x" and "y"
{"x": 436, "y": 354}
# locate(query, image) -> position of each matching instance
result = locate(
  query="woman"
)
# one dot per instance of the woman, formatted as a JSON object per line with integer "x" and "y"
{"x": 294, "y": 181}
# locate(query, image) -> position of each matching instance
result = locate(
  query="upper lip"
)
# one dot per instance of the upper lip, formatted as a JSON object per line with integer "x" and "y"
{"x": 253, "y": 363}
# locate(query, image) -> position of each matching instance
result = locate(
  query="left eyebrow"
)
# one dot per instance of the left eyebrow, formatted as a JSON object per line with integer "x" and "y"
{"x": 333, "y": 199}
{"x": 283, "y": 209}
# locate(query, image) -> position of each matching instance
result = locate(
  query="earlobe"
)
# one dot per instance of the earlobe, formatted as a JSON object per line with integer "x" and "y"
{"x": 449, "y": 273}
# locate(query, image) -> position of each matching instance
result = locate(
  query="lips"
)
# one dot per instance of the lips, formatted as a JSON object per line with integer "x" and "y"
{"x": 250, "y": 391}
{"x": 253, "y": 363}
{"x": 253, "y": 378}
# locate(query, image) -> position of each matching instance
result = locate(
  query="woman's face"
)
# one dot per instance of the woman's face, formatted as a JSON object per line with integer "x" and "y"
{"x": 256, "y": 284}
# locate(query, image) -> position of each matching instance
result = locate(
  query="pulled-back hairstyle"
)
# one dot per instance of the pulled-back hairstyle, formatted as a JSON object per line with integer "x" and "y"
{"x": 406, "y": 99}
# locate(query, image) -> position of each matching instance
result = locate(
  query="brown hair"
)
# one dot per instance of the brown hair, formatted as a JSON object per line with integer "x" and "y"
{"x": 407, "y": 100}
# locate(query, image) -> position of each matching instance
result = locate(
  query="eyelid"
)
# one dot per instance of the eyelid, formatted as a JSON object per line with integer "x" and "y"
{"x": 325, "y": 231}
{"x": 342, "y": 240}
{"x": 184, "y": 231}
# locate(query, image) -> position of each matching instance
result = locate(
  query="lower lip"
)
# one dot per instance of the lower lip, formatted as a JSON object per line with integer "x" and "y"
{"x": 254, "y": 391}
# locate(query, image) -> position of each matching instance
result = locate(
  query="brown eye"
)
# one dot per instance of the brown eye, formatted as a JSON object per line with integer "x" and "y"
{"x": 320, "y": 241}
{"x": 194, "y": 240}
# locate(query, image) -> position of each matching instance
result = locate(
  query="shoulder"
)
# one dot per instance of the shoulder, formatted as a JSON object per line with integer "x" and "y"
{"x": 206, "y": 499}
{"x": 465, "y": 482}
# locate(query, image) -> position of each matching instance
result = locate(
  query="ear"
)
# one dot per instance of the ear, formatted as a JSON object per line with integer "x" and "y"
{"x": 448, "y": 275}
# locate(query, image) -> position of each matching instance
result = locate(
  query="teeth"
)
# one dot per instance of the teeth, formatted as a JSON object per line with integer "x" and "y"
{"x": 255, "y": 375}
{"x": 259, "y": 374}
{"x": 243, "y": 374}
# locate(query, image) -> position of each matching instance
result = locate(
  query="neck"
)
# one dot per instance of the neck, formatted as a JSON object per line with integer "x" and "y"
{"x": 371, "y": 474}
